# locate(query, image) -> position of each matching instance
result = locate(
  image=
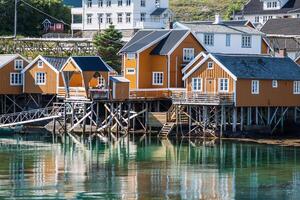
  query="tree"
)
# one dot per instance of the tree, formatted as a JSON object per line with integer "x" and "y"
{"x": 108, "y": 43}
{"x": 29, "y": 19}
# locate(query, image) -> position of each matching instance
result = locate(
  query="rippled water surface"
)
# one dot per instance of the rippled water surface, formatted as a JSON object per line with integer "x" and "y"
{"x": 148, "y": 169}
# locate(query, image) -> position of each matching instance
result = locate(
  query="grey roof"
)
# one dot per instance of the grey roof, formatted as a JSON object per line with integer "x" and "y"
{"x": 158, "y": 11}
{"x": 91, "y": 63}
{"x": 284, "y": 26}
{"x": 5, "y": 58}
{"x": 290, "y": 44}
{"x": 260, "y": 67}
{"x": 143, "y": 38}
{"x": 165, "y": 45}
{"x": 256, "y": 7}
{"x": 56, "y": 62}
{"x": 119, "y": 79}
{"x": 234, "y": 27}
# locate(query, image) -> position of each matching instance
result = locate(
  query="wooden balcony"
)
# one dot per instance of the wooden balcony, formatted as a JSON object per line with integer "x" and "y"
{"x": 199, "y": 98}
{"x": 99, "y": 94}
{"x": 79, "y": 92}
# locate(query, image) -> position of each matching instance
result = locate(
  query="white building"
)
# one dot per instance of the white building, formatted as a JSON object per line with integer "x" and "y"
{"x": 233, "y": 37}
{"x": 127, "y": 16}
{"x": 260, "y": 11}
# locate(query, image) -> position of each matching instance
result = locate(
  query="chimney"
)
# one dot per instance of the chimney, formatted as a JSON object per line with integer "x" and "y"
{"x": 282, "y": 53}
{"x": 218, "y": 19}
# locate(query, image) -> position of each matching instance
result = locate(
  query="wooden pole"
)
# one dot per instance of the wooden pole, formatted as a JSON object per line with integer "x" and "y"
{"x": 242, "y": 118}
{"x": 222, "y": 120}
{"x": 234, "y": 119}
{"x": 256, "y": 116}
{"x": 268, "y": 116}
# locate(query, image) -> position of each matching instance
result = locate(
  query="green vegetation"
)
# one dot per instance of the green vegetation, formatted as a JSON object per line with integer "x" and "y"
{"x": 108, "y": 43}
{"x": 30, "y": 20}
{"x": 188, "y": 10}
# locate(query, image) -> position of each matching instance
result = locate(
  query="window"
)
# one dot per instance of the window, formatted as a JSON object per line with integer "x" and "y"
{"x": 120, "y": 2}
{"x": 209, "y": 39}
{"x": 143, "y": 17}
{"x": 265, "y": 18}
{"x": 40, "y": 64}
{"x": 40, "y": 78}
{"x": 298, "y": 15}
{"x": 108, "y": 18}
{"x": 89, "y": 18}
{"x": 89, "y": 3}
{"x": 223, "y": 85}
{"x": 228, "y": 38}
{"x": 108, "y": 3}
{"x": 274, "y": 84}
{"x": 269, "y": 4}
{"x": 210, "y": 65}
{"x": 157, "y": 3}
{"x": 101, "y": 81}
{"x": 128, "y": 2}
{"x": 143, "y": 3}
{"x": 120, "y": 17}
{"x": 130, "y": 56}
{"x": 296, "y": 87}
{"x": 256, "y": 19}
{"x": 18, "y": 64}
{"x": 130, "y": 71}
{"x": 274, "y": 4}
{"x": 100, "y": 3}
{"x": 128, "y": 17}
{"x": 16, "y": 79}
{"x": 270, "y": 17}
{"x": 157, "y": 78}
{"x": 255, "y": 87}
{"x": 100, "y": 18}
{"x": 188, "y": 54}
{"x": 196, "y": 84}
{"x": 246, "y": 41}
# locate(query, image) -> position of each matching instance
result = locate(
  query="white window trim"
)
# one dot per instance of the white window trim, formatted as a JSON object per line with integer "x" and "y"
{"x": 212, "y": 65}
{"x": 201, "y": 82}
{"x": 35, "y": 78}
{"x": 153, "y": 73}
{"x": 219, "y": 85}
{"x": 252, "y": 83}
{"x": 228, "y": 40}
{"x": 274, "y": 84}
{"x": 188, "y": 50}
{"x": 213, "y": 39}
{"x": 15, "y": 84}
{"x": 250, "y": 42}
{"x": 15, "y": 64}
{"x": 296, "y": 86}
{"x": 128, "y": 71}
{"x": 131, "y": 56}
{"x": 40, "y": 66}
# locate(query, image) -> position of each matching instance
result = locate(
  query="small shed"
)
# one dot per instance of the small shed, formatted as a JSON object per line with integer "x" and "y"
{"x": 119, "y": 87}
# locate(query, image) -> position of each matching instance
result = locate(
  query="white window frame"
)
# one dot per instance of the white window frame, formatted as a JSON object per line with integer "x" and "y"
{"x": 256, "y": 19}
{"x": 128, "y": 17}
{"x": 120, "y": 2}
{"x": 108, "y": 3}
{"x": 100, "y": 18}
{"x": 188, "y": 54}
{"x": 13, "y": 79}
{"x": 143, "y": 3}
{"x": 100, "y": 3}
{"x": 89, "y": 3}
{"x": 274, "y": 84}
{"x": 208, "y": 39}
{"x": 108, "y": 18}
{"x": 255, "y": 87}
{"x": 210, "y": 65}
{"x": 195, "y": 84}
{"x": 101, "y": 81}
{"x": 296, "y": 87}
{"x": 128, "y": 2}
{"x": 130, "y": 56}
{"x": 120, "y": 17}
{"x": 89, "y": 18}
{"x": 130, "y": 71}
{"x": 143, "y": 17}
{"x": 38, "y": 79}
{"x": 155, "y": 79}
{"x": 40, "y": 64}
{"x": 228, "y": 40}
{"x": 246, "y": 41}
{"x": 222, "y": 86}
{"x": 18, "y": 64}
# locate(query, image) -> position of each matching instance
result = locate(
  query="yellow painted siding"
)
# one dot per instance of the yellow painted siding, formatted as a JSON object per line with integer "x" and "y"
{"x": 128, "y": 63}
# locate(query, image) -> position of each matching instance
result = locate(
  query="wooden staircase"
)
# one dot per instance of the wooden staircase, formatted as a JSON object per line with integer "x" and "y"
{"x": 166, "y": 130}
{"x": 182, "y": 117}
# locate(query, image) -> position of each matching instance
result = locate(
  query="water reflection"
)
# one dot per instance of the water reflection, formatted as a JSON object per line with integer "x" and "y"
{"x": 148, "y": 169}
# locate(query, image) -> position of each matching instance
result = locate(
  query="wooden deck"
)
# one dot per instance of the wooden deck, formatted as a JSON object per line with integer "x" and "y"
{"x": 197, "y": 98}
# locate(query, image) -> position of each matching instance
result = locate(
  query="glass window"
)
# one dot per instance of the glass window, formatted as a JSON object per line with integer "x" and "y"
{"x": 130, "y": 71}
{"x": 89, "y": 3}
{"x": 128, "y": 2}
{"x": 209, "y": 39}
{"x": 101, "y": 81}
{"x": 143, "y": 17}
{"x": 100, "y": 18}
{"x": 255, "y": 87}
{"x": 108, "y": 18}
{"x": 40, "y": 78}
{"x": 196, "y": 84}
{"x": 188, "y": 54}
{"x": 128, "y": 17}
{"x": 130, "y": 56}
{"x": 274, "y": 84}
{"x": 16, "y": 79}
{"x": 246, "y": 41}
{"x": 89, "y": 18}
{"x": 223, "y": 85}
{"x": 40, "y": 64}
{"x": 100, "y": 3}
{"x": 108, "y": 3}
{"x": 296, "y": 87}
{"x": 256, "y": 19}
{"x": 120, "y": 2}
{"x": 157, "y": 78}
{"x": 120, "y": 17}
{"x": 228, "y": 38}
{"x": 19, "y": 64}
{"x": 210, "y": 65}
{"x": 143, "y": 3}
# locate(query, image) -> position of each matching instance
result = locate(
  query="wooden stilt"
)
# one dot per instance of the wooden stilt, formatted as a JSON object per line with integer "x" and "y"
{"x": 256, "y": 116}
{"x": 234, "y": 119}
{"x": 242, "y": 119}
{"x": 222, "y": 120}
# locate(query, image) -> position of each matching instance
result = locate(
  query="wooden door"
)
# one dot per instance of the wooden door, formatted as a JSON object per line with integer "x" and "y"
{"x": 210, "y": 85}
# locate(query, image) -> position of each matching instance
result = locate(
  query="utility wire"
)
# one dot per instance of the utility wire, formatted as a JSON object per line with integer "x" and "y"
{"x": 40, "y": 11}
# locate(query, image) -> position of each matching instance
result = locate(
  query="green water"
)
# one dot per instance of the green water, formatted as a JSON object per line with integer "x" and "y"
{"x": 148, "y": 169}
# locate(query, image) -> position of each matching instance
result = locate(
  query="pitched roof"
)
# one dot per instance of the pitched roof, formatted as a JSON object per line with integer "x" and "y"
{"x": 260, "y": 67}
{"x": 158, "y": 11}
{"x": 290, "y": 44}
{"x": 119, "y": 79}
{"x": 166, "y": 44}
{"x": 56, "y": 62}
{"x": 284, "y": 26}
{"x": 256, "y": 7}
{"x": 90, "y": 63}
{"x": 234, "y": 27}
{"x": 6, "y": 58}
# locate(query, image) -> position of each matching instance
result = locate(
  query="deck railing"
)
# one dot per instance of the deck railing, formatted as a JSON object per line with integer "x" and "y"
{"x": 99, "y": 93}
{"x": 202, "y": 98}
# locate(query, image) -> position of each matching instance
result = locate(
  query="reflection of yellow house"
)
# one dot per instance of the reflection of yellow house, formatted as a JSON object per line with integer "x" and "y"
{"x": 42, "y": 75}
{"x": 84, "y": 74}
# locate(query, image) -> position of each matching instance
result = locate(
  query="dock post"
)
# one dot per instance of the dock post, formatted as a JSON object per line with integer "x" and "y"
{"x": 256, "y": 115}
{"x": 269, "y": 116}
{"x": 234, "y": 119}
{"x": 176, "y": 113}
{"x": 84, "y": 121}
{"x": 242, "y": 118}
{"x": 249, "y": 117}
{"x": 128, "y": 122}
{"x": 146, "y": 116}
{"x": 295, "y": 114}
{"x": 91, "y": 120}
{"x": 222, "y": 120}
{"x": 190, "y": 120}
{"x": 282, "y": 119}
{"x": 205, "y": 117}
{"x": 97, "y": 115}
